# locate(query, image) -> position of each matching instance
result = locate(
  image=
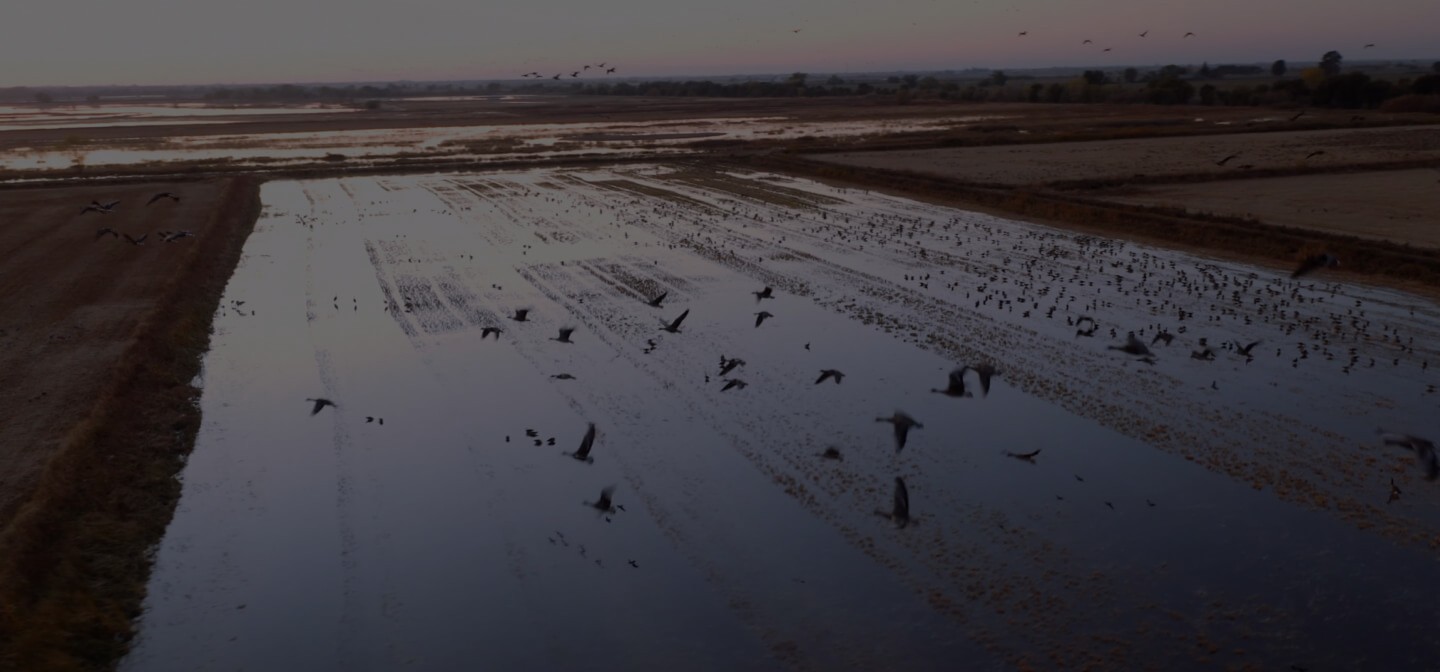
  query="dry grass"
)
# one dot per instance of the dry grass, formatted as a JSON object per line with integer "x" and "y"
{"x": 75, "y": 559}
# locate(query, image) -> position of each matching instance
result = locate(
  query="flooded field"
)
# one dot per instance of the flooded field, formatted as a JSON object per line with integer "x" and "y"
{"x": 1188, "y": 510}
{"x": 458, "y": 142}
{"x": 15, "y": 118}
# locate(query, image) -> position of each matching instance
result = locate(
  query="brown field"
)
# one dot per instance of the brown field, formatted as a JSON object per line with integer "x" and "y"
{"x": 99, "y": 340}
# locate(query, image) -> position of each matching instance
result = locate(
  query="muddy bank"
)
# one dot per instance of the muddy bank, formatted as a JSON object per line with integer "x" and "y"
{"x": 102, "y": 341}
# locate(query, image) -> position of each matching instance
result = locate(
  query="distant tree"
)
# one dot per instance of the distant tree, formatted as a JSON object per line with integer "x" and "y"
{"x": 910, "y": 81}
{"x": 1131, "y": 74}
{"x": 1096, "y": 77}
{"x": 44, "y": 97}
{"x": 1055, "y": 93}
{"x": 1330, "y": 63}
{"x": 1435, "y": 66}
{"x": 834, "y": 81}
{"x": 998, "y": 78}
{"x": 1426, "y": 85}
{"x": 796, "y": 80}
{"x": 929, "y": 83}
{"x": 864, "y": 89}
{"x": 492, "y": 87}
{"x": 1207, "y": 94}
{"x": 1035, "y": 92}
{"x": 1205, "y": 72}
{"x": 892, "y": 80}
{"x": 1169, "y": 89}
{"x": 1173, "y": 71}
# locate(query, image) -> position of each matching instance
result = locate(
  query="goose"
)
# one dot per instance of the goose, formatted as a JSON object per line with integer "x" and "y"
{"x": 1227, "y": 159}
{"x": 957, "y": 384}
{"x": 655, "y": 302}
{"x": 521, "y": 314}
{"x": 1162, "y": 336}
{"x": 761, "y": 316}
{"x": 1132, "y": 346}
{"x": 1311, "y": 155}
{"x": 1205, "y": 354}
{"x": 1313, "y": 262}
{"x": 674, "y": 327}
{"x": 609, "y": 70}
{"x": 1187, "y": 35}
{"x": 1297, "y": 116}
{"x": 604, "y": 504}
{"x": 320, "y": 403}
{"x": 1246, "y": 349}
{"x": 1028, "y": 457}
{"x": 1144, "y": 33}
{"x": 582, "y": 454}
{"x": 902, "y": 423}
{"x": 564, "y": 336}
{"x": 137, "y": 241}
{"x": 101, "y": 233}
{"x": 900, "y": 514}
{"x": 830, "y": 373}
{"x": 984, "y": 372}
{"x": 832, "y": 453}
{"x": 161, "y": 195}
{"x": 174, "y": 236}
{"x": 767, "y": 293}
{"x": 491, "y": 331}
{"x": 726, "y": 366}
{"x": 734, "y": 382}
{"x": 1423, "y": 448}
{"x": 1394, "y": 492}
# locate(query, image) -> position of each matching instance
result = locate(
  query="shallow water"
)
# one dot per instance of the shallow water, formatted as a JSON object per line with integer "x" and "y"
{"x": 1166, "y": 524}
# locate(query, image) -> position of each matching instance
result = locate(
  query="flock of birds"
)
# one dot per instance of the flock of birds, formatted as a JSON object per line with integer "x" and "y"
{"x": 599, "y": 67}
{"x": 109, "y": 209}
{"x": 1144, "y": 34}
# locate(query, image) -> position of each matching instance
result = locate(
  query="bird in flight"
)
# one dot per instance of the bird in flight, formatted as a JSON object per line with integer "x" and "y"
{"x": 1028, "y": 457}
{"x": 1394, "y": 492}
{"x": 1132, "y": 346}
{"x": 1087, "y": 42}
{"x": 564, "y": 336}
{"x": 1144, "y": 33}
{"x": 900, "y": 513}
{"x": 163, "y": 194}
{"x": 984, "y": 372}
{"x": 521, "y": 315}
{"x": 766, "y": 293}
{"x": 1313, "y": 262}
{"x": 734, "y": 382}
{"x": 1424, "y": 451}
{"x": 1314, "y": 154}
{"x": 655, "y": 302}
{"x": 1023, "y": 33}
{"x": 102, "y": 208}
{"x": 832, "y": 453}
{"x": 1368, "y": 45}
{"x": 1081, "y": 331}
{"x": 761, "y": 316}
{"x": 728, "y": 365}
{"x": 101, "y": 233}
{"x": 583, "y": 452}
{"x": 604, "y": 504}
{"x": 1227, "y": 159}
{"x": 174, "y": 236}
{"x": 320, "y": 403}
{"x": 1105, "y": 49}
{"x": 488, "y": 331}
{"x": 1163, "y": 336}
{"x": 902, "y": 423}
{"x": 1245, "y": 350}
{"x": 609, "y": 70}
{"x": 137, "y": 241}
{"x": 830, "y": 373}
{"x": 674, "y": 327}
{"x": 1297, "y": 116}
{"x": 1188, "y": 35}
{"x": 796, "y": 30}
{"x": 956, "y": 387}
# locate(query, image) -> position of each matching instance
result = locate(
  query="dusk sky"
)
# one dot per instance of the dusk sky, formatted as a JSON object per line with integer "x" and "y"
{"x": 69, "y": 42}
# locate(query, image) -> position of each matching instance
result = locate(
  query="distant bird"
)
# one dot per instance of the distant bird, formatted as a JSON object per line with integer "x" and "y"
{"x": 1023, "y": 33}
{"x": 1227, "y": 159}
{"x": 655, "y": 302}
{"x": 797, "y": 30}
{"x": 766, "y": 293}
{"x": 829, "y": 373}
{"x": 1314, "y": 154}
{"x": 521, "y": 314}
{"x": 600, "y": 65}
{"x": 575, "y": 74}
{"x": 101, "y": 233}
{"x": 491, "y": 331}
{"x": 102, "y": 208}
{"x": 728, "y": 365}
{"x": 137, "y": 241}
{"x": 1394, "y": 492}
{"x": 1105, "y": 49}
{"x": 760, "y": 317}
{"x": 1313, "y": 262}
{"x": 1028, "y": 457}
{"x": 900, "y": 513}
{"x": 556, "y": 78}
{"x": 320, "y": 403}
{"x": 984, "y": 372}
{"x": 564, "y": 336}
{"x": 832, "y": 453}
{"x": 902, "y": 423}
{"x": 1087, "y": 42}
{"x": 734, "y": 382}
{"x": 174, "y": 236}
{"x": 674, "y": 327}
{"x": 956, "y": 387}
{"x": 604, "y": 504}
{"x": 1246, "y": 349}
{"x": 1132, "y": 346}
{"x": 585, "y": 68}
{"x": 1187, "y": 35}
{"x": 609, "y": 70}
{"x": 1206, "y": 354}
{"x": 1424, "y": 451}
{"x": 1144, "y": 33}
{"x": 583, "y": 453}
{"x": 1297, "y": 116}
{"x": 563, "y": 376}
{"x": 1368, "y": 46}
{"x": 163, "y": 194}
{"x": 1162, "y": 336}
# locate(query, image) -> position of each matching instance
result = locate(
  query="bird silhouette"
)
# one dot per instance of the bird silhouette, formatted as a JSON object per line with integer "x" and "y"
{"x": 102, "y": 208}
{"x": 984, "y": 372}
{"x": 1394, "y": 492}
{"x": 832, "y": 453}
{"x": 1314, "y": 154}
{"x": 1368, "y": 45}
{"x": 1205, "y": 354}
{"x": 829, "y": 373}
{"x": 564, "y": 336}
{"x": 734, "y": 382}
{"x": 761, "y": 316}
{"x": 521, "y": 314}
{"x": 583, "y": 452}
{"x": 1244, "y": 350}
{"x": 674, "y": 327}
{"x": 1227, "y": 159}
{"x": 1297, "y": 116}
{"x": 1087, "y": 42}
{"x": 1424, "y": 451}
{"x": 1106, "y": 49}
{"x": 1187, "y": 35}
{"x": 655, "y": 302}
{"x": 162, "y": 195}
{"x": 137, "y": 241}
{"x": 101, "y": 233}
{"x": 563, "y": 376}
{"x": 1162, "y": 336}
{"x": 1314, "y": 262}
{"x": 1144, "y": 33}
{"x": 605, "y": 504}
{"x": 173, "y": 236}
{"x": 728, "y": 365}
{"x": 767, "y": 293}
{"x": 1132, "y": 346}
{"x": 609, "y": 70}
{"x": 900, "y": 513}
{"x": 956, "y": 387}
{"x": 1023, "y": 33}
{"x": 491, "y": 331}
{"x": 320, "y": 403}
{"x": 902, "y": 423}
{"x": 1028, "y": 457}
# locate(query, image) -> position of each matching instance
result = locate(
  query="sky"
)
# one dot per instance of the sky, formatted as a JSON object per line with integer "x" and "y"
{"x": 97, "y": 42}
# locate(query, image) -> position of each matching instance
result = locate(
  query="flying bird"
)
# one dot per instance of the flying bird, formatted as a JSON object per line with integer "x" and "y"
{"x": 604, "y": 504}
{"x": 957, "y": 384}
{"x": 101, "y": 233}
{"x": 609, "y": 70}
{"x": 655, "y": 302}
{"x": 137, "y": 241}
{"x": 829, "y": 373}
{"x": 102, "y": 208}
{"x": 1105, "y": 49}
{"x": 1245, "y": 350}
{"x": 1144, "y": 33}
{"x": 1394, "y": 492}
{"x": 1132, "y": 346}
{"x": 1028, "y": 457}
{"x": 1424, "y": 451}
{"x": 1162, "y": 336}
{"x": 1368, "y": 46}
{"x": 163, "y": 194}
{"x": 1314, "y": 154}
{"x": 491, "y": 331}
{"x": 832, "y": 453}
{"x": 1313, "y": 262}
{"x": 984, "y": 372}
{"x": 1227, "y": 159}
{"x": 564, "y": 336}
{"x": 734, "y": 382}
{"x": 1023, "y": 33}
{"x": 521, "y": 314}
{"x": 174, "y": 236}
{"x": 1187, "y": 35}
{"x": 900, "y": 514}
{"x": 320, "y": 403}
{"x": 1297, "y": 116}
{"x": 766, "y": 293}
{"x": 728, "y": 365}
{"x": 760, "y": 317}
{"x": 674, "y": 327}
{"x": 902, "y": 423}
{"x": 583, "y": 452}
{"x": 1087, "y": 42}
